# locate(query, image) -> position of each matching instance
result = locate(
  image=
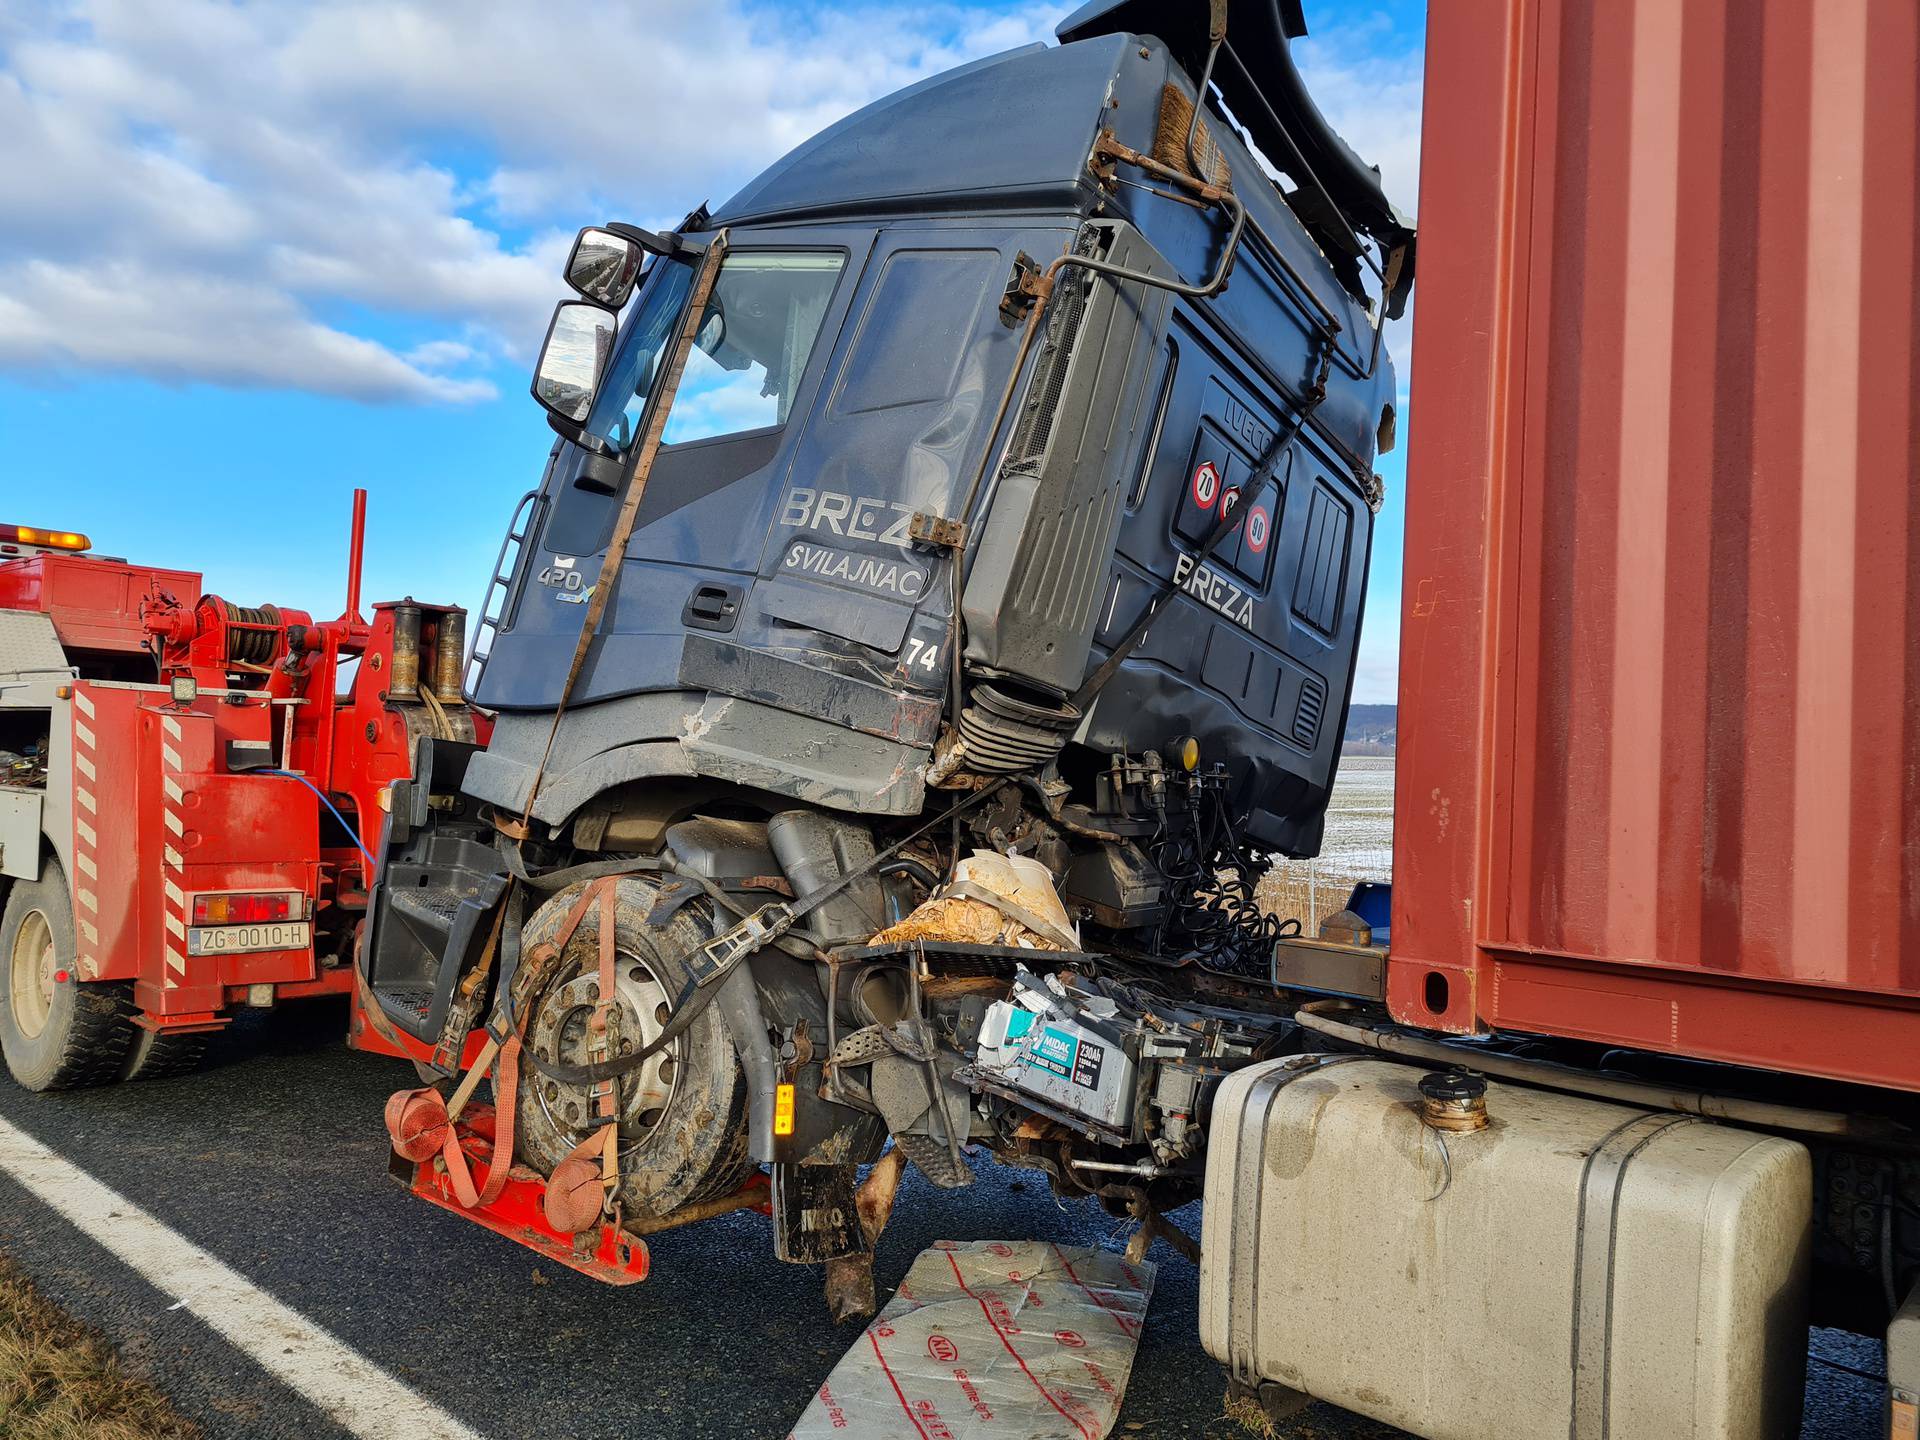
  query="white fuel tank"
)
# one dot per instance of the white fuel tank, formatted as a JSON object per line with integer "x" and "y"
{"x": 1576, "y": 1270}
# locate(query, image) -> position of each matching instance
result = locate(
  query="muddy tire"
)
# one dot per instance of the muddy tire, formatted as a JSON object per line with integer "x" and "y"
{"x": 55, "y": 1034}
{"x": 152, "y": 1055}
{"x": 684, "y": 1122}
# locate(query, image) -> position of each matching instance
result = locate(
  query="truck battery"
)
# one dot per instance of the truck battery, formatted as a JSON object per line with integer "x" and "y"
{"x": 1040, "y": 1042}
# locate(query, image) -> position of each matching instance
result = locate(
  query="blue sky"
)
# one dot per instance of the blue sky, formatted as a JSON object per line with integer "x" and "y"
{"x": 253, "y": 256}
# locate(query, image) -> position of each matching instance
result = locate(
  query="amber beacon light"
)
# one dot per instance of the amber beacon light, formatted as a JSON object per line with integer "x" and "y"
{"x": 45, "y": 539}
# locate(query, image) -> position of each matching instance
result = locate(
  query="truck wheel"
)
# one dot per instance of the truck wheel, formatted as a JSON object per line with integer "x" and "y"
{"x": 683, "y": 1126}
{"x": 154, "y": 1055}
{"x": 55, "y": 1034}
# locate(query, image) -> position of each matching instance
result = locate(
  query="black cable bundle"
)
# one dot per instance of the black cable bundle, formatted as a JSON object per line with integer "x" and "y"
{"x": 1212, "y": 916}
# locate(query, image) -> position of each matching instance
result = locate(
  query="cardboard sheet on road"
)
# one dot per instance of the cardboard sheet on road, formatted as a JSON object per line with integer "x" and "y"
{"x": 991, "y": 1340}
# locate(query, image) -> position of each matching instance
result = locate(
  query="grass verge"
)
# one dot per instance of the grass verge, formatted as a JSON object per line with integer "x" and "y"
{"x": 60, "y": 1380}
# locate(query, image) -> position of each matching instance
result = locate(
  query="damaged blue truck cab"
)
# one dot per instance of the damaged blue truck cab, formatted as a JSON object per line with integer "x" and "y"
{"x": 1011, "y": 490}
{"x": 865, "y": 345}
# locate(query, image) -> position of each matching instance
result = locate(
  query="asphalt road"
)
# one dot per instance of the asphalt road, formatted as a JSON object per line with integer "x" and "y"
{"x": 273, "y": 1159}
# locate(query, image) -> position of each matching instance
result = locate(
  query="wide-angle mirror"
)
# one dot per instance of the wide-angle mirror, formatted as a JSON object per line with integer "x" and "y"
{"x": 604, "y": 266}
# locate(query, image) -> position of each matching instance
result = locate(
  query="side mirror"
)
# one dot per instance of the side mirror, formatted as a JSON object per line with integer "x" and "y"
{"x": 578, "y": 344}
{"x": 604, "y": 266}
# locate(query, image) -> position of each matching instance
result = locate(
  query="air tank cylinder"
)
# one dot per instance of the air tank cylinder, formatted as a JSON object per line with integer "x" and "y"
{"x": 403, "y": 681}
{"x": 450, "y": 654}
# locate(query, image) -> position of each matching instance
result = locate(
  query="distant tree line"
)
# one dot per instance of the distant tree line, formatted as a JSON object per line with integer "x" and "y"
{"x": 1371, "y": 730}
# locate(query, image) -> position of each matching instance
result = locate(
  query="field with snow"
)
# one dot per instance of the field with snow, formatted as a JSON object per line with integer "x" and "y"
{"x": 1359, "y": 846}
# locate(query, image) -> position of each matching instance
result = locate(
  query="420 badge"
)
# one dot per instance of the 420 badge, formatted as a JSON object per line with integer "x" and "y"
{"x": 569, "y": 583}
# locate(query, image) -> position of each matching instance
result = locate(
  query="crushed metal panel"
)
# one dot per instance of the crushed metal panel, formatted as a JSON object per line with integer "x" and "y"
{"x": 992, "y": 1340}
{"x": 29, "y": 646}
{"x": 20, "y": 834}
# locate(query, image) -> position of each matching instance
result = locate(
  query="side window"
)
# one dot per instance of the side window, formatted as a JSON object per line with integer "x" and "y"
{"x": 752, "y": 346}
{"x": 918, "y": 326}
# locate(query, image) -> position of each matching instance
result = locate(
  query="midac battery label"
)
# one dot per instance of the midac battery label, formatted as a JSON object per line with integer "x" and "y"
{"x": 1055, "y": 1051}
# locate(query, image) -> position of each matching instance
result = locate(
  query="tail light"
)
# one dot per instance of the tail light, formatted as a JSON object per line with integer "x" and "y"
{"x": 245, "y": 908}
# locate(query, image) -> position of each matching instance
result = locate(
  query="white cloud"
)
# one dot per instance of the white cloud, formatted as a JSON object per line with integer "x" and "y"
{"x": 1376, "y": 669}
{"x": 373, "y": 199}
{"x": 1367, "y": 81}
{"x": 182, "y": 324}
{"x": 263, "y": 195}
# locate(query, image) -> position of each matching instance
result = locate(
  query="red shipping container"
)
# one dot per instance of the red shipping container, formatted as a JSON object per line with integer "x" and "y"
{"x": 1659, "y": 770}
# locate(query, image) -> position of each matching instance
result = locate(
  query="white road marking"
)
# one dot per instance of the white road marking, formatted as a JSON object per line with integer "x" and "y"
{"x": 354, "y": 1392}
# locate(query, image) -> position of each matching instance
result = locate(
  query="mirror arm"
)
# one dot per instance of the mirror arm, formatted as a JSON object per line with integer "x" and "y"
{"x": 663, "y": 243}
{"x": 576, "y": 434}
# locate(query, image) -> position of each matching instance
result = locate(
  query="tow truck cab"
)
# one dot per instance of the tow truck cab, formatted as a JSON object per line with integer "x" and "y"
{"x": 188, "y": 800}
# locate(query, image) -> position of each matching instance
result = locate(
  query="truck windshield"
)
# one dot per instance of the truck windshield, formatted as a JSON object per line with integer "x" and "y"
{"x": 749, "y": 354}
{"x": 643, "y": 343}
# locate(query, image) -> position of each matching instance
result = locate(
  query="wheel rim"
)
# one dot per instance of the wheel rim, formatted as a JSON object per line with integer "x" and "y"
{"x": 559, "y": 1031}
{"x": 31, "y": 975}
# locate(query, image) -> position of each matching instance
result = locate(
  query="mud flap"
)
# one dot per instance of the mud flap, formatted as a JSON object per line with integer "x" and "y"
{"x": 814, "y": 1216}
{"x": 930, "y": 1135}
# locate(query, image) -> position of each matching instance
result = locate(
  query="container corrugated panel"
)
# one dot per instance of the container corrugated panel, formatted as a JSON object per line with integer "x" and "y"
{"x": 1659, "y": 772}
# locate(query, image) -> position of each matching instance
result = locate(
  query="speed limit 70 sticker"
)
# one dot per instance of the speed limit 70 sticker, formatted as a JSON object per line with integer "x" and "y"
{"x": 1206, "y": 484}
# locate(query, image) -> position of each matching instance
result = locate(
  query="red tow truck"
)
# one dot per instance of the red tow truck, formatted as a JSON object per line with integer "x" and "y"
{"x": 190, "y": 802}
